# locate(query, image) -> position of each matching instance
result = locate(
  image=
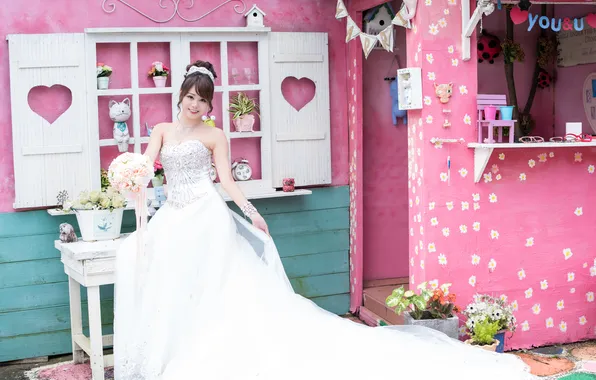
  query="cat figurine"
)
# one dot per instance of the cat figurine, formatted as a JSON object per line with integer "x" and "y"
{"x": 120, "y": 113}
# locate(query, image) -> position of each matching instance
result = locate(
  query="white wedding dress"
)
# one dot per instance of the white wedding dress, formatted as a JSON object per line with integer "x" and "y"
{"x": 210, "y": 300}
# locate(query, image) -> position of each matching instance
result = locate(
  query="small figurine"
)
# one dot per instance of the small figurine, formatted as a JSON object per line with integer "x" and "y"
{"x": 444, "y": 92}
{"x": 288, "y": 185}
{"x": 209, "y": 120}
{"x": 67, "y": 234}
{"x": 120, "y": 113}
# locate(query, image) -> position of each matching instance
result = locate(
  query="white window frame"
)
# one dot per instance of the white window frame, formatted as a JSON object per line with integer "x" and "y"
{"x": 180, "y": 40}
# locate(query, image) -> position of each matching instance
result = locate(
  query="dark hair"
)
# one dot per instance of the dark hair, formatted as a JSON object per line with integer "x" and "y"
{"x": 201, "y": 83}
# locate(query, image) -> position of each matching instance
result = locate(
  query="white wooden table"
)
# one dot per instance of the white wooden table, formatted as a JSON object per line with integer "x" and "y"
{"x": 90, "y": 264}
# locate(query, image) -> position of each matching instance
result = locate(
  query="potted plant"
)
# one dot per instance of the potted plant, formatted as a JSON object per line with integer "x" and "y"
{"x": 159, "y": 72}
{"x": 242, "y": 107}
{"x": 432, "y": 308}
{"x": 103, "y": 72}
{"x": 491, "y": 309}
{"x": 484, "y": 335}
{"x": 99, "y": 213}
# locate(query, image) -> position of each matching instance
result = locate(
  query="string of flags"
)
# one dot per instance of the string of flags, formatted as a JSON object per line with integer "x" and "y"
{"x": 385, "y": 36}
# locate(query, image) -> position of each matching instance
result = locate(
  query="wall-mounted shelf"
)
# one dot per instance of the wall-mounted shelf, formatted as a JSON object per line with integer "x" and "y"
{"x": 482, "y": 152}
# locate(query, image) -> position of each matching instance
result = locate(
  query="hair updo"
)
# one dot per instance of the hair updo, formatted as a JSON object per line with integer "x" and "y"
{"x": 201, "y": 83}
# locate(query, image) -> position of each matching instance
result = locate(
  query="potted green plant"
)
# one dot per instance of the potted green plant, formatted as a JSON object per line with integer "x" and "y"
{"x": 99, "y": 213}
{"x": 103, "y": 72}
{"x": 484, "y": 335}
{"x": 434, "y": 308}
{"x": 491, "y": 309}
{"x": 242, "y": 108}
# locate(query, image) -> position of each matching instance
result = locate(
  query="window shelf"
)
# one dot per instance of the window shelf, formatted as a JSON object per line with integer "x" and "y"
{"x": 239, "y": 87}
{"x": 130, "y": 91}
{"x": 482, "y": 152}
{"x": 112, "y": 142}
{"x": 244, "y": 135}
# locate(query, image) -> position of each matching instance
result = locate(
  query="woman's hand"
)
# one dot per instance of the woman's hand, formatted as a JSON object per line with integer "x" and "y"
{"x": 259, "y": 222}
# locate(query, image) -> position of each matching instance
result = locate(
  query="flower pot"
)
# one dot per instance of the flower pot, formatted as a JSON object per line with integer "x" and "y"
{"x": 100, "y": 224}
{"x": 157, "y": 182}
{"x": 288, "y": 185}
{"x": 160, "y": 81}
{"x": 244, "y": 123}
{"x": 487, "y": 347}
{"x": 448, "y": 326}
{"x": 490, "y": 113}
{"x": 500, "y": 336}
{"x": 506, "y": 112}
{"x": 103, "y": 83}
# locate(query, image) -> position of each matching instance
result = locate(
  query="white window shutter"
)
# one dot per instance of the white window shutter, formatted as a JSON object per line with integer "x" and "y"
{"x": 300, "y": 140}
{"x": 48, "y": 158}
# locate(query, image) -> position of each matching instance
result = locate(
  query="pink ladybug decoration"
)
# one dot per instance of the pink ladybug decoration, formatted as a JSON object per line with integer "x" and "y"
{"x": 489, "y": 48}
{"x": 288, "y": 185}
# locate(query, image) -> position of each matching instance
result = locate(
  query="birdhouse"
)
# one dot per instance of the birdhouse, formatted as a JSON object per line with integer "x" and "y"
{"x": 378, "y": 18}
{"x": 255, "y": 17}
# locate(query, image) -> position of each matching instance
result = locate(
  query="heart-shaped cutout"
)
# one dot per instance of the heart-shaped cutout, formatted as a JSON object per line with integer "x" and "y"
{"x": 298, "y": 92}
{"x": 50, "y": 102}
{"x": 591, "y": 19}
{"x": 518, "y": 16}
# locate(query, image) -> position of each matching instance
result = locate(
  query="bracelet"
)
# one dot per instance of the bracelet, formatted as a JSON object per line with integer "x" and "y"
{"x": 248, "y": 209}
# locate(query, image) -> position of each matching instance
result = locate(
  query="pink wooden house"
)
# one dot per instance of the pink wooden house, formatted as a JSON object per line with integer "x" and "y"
{"x": 377, "y": 205}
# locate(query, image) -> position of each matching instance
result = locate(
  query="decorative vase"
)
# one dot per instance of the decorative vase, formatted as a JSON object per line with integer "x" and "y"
{"x": 500, "y": 336}
{"x": 244, "y": 123}
{"x": 160, "y": 81}
{"x": 103, "y": 83}
{"x": 487, "y": 347}
{"x": 448, "y": 326}
{"x": 100, "y": 224}
{"x": 288, "y": 185}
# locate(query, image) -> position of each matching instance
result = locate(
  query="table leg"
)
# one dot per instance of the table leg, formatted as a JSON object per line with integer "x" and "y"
{"x": 76, "y": 319}
{"x": 500, "y": 134}
{"x": 95, "y": 334}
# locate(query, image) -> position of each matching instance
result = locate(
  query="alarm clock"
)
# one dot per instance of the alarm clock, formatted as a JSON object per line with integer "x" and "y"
{"x": 241, "y": 170}
{"x": 213, "y": 172}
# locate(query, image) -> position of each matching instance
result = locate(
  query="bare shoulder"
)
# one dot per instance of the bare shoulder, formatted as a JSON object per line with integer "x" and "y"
{"x": 216, "y": 137}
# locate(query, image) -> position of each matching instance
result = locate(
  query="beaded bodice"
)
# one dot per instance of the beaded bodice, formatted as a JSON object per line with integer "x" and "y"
{"x": 186, "y": 165}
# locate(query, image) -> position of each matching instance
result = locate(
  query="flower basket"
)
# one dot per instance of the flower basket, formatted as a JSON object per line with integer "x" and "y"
{"x": 159, "y": 72}
{"x": 103, "y": 73}
{"x": 160, "y": 81}
{"x": 103, "y": 83}
{"x": 448, "y": 326}
{"x": 100, "y": 224}
{"x": 244, "y": 123}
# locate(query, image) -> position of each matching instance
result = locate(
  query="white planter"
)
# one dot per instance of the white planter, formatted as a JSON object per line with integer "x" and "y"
{"x": 449, "y": 326}
{"x": 160, "y": 81}
{"x": 103, "y": 83}
{"x": 487, "y": 347}
{"x": 244, "y": 123}
{"x": 100, "y": 224}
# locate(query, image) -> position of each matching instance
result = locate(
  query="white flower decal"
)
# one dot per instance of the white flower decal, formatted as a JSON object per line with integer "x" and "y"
{"x": 522, "y": 176}
{"x": 427, "y": 100}
{"x": 475, "y": 259}
{"x": 472, "y": 280}
{"x": 567, "y": 253}
{"x": 579, "y": 211}
{"x": 501, "y": 156}
{"x": 430, "y": 58}
{"x": 492, "y": 265}
{"x": 467, "y": 119}
{"x": 543, "y": 285}
{"x": 578, "y": 157}
{"x": 445, "y": 231}
{"x": 494, "y": 234}
{"x": 492, "y": 198}
{"x": 476, "y": 226}
{"x": 433, "y": 29}
{"x": 442, "y": 259}
{"x": 463, "y": 90}
{"x": 521, "y": 274}
{"x": 431, "y": 76}
{"x": 531, "y": 163}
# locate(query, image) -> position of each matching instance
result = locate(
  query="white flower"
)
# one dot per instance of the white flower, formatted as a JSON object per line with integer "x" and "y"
{"x": 550, "y": 323}
{"x": 543, "y": 284}
{"x": 583, "y": 320}
{"x": 475, "y": 259}
{"x": 563, "y": 326}
{"x": 531, "y": 163}
{"x": 463, "y": 90}
{"x": 525, "y": 326}
{"x": 529, "y": 292}
{"x": 476, "y": 206}
{"x": 492, "y": 198}
{"x": 492, "y": 265}
{"x": 521, "y": 274}
{"x": 431, "y": 76}
{"x": 536, "y": 309}
{"x": 529, "y": 242}
{"x": 476, "y": 197}
{"x": 465, "y": 206}
{"x": 542, "y": 157}
{"x": 445, "y": 231}
{"x": 442, "y": 259}
{"x": 494, "y": 234}
{"x": 579, "y": 211}
{"x": 434, "y": 221}
{"x": 488, "y": 177}
{"x": 472, "y": 280}
{"x": 567, "y": 253}
{"x": 476, "y": 226}
{"x": 463, "y": 172}
{"x": 429, "y": 119}
{"x": 570, "y": 276}
{"x": 560, "y": 305}
{"x": 427, "y": 100}
{"x": 433, "y": 29}
{"x": 591, "y": 169}
{"x": 501, "y": 156}
{"x": 463, "y": 229}
{"x": 467, "y": 119}
{"x": 431, "y": 247}
{"x": 454, "y": 62}
{"x": 522, "y": 176}
{"x": 449, "y": 206}
{"x": 577, "y": 157}
{"x": 430, "y": 58}
{"x": 450, "y": 48}
{"x": 590, "y": 296}
{"x": 442, "y": 22}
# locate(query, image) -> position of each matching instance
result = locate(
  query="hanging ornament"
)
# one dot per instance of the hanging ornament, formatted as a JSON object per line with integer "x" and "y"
{"x": 340, "y": 10}
{"x": 489, "y": 47}
{"x": 386, "y": 38}
{"x": 544, "y": 79}
{"x": 368, "y": 43}
{"x": 352, "y": 30}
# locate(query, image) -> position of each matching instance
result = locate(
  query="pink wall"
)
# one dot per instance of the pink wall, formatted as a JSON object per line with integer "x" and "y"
{"x": 570, "y": 80}
{"x": 385, "y": 169}
{"x": 491, "y": 78}
{"x": 523, "y": 232}
{"x": 62, "y": 17}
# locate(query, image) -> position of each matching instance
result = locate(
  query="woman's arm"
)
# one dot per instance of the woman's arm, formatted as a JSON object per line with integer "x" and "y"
{"x": 222, "y": 165}
{"x": 155, "y": 142}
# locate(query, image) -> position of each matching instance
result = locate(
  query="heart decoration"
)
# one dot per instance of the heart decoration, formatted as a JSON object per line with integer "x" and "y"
{"x": 298, "y": 92}
{"x": 591, "y": 19}
{"x": 518, "y": 16}
{"x": 50, "y": 102}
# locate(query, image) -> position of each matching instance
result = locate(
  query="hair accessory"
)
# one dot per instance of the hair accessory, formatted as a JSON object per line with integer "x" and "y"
{"x": 205, "y": 117}
{"x": 200, "y": 70}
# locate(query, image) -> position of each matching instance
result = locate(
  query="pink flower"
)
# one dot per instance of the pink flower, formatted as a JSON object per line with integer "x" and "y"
{"x": 157, "y": 165}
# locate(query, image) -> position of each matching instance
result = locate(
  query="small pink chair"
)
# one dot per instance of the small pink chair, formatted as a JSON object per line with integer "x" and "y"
{"x": 483, "y": 100}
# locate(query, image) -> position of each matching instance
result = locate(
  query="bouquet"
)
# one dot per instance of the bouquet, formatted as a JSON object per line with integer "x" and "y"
{"x": 109, "y": 199}
{"x": 158, "y": 69}
{"x": 489, "y": 309}
{"x": 130, "y": 172}
{"x": 435, "y": 303}
{"x": 103, "y": 70}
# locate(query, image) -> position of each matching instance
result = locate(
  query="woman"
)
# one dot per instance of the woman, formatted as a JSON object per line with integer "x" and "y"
{"x": 210, "y": 298}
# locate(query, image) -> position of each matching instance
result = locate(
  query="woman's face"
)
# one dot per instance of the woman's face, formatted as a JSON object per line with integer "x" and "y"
{"x": 194, "y": 106}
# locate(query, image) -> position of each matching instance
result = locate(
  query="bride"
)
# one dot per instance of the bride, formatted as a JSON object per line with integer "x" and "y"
{"x": 210, "y": 298}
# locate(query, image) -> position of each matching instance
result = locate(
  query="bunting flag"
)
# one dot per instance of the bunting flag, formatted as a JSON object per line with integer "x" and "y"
{"x": 340, "y": 10}
{"x": 368, "y": 43}
{"x": 386, "y": 38}
{"x": 401, "y": 18}
{"x": 352, "y": 30}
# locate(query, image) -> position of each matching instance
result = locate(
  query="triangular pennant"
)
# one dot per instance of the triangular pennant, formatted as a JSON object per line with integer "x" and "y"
{"x": 352, "y": 30}
{"x": 340, "y": 10}
{"x": 401, "y": 18}
{"x": 386, "y": 38}
{"x": 368, "y": 43}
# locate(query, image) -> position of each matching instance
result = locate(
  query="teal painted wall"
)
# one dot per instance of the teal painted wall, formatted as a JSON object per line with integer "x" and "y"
{"x": 311, "y": 233}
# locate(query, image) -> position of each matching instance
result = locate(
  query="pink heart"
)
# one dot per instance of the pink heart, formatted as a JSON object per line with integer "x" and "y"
{"x": 591, "y": 20}
{"x": 49, "y": 102}
{"x": 518, "y": 16}
{"x": 298, "y": 92}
